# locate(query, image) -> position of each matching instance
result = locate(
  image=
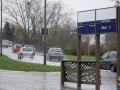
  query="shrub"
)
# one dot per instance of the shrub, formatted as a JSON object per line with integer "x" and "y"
{"x": 103, "y": 50}
{"x": 68, "y": 49}
{"x": 93, "y": 50}
{"x": 74, "y": 51}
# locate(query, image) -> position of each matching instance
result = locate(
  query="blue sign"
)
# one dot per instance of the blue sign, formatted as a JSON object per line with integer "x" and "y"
{"x": 86, "y": 28}
{"x": 33, "y": 31}
{"x": 105, "y": 27}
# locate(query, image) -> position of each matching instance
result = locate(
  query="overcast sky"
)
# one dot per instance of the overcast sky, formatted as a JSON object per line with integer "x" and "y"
{"x": 82, "y": 5}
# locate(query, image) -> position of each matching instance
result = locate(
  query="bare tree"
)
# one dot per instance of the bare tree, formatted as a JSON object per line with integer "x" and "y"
{"x": 29, "y": 15}
{"x": 117, "y": 2}
{"x": 111, "y": 41}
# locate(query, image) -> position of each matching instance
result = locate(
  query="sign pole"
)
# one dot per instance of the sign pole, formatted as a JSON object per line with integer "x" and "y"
{"x": 45, "y": 32}
{"x": 1, "y": 27}
{"x": 118, "y": 44}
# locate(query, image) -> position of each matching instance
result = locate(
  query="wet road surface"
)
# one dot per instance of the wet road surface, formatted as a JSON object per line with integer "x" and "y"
{"x": 19, "y": 80}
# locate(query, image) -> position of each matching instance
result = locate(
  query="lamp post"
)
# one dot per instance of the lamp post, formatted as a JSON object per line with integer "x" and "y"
{"x": 44, "y": 32}
{"x": 28, "y": 4}
{"x": 1, "y": 27}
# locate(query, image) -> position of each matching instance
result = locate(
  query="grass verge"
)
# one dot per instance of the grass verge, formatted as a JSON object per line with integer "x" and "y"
{"x": 9, "y": 64}
{"x": 72, "y": 57}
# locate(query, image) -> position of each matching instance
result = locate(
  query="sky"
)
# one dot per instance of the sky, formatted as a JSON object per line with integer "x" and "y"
{"x": 82, "y": 5}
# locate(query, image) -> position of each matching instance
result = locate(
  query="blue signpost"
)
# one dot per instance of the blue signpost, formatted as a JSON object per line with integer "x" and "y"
{"x": 97, "y": 22}
{"x": 105, "y": 27}
{"x": 101, "y": 27}
{"x": 86, "y": 29}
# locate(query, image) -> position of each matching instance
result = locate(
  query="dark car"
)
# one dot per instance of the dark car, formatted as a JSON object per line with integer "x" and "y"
{"x": 108, "y": 61}
{"x": 55, "y": 53}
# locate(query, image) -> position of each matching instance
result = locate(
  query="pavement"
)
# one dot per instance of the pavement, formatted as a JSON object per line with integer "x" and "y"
{"x": 20, "y": 80}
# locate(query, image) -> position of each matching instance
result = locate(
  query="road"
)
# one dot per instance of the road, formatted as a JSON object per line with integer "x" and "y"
{"x": 37, "y": 59}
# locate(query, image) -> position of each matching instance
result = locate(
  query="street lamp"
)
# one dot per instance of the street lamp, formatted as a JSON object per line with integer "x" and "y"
{"x": 45, "y": 32}
{"x": 1, "y": 27}
{"x": 28, "y": 3}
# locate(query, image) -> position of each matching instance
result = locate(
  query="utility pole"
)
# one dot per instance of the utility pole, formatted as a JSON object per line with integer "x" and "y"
{"x": 45, "y": 32}
{"x": 1, "y": 27}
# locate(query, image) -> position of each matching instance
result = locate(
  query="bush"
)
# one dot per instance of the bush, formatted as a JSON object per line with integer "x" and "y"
{"x": 68, "y": 49}
{"x": 103, "y": 50}
{"x": 93, "y": 50}
{"x": 74, "y": 51}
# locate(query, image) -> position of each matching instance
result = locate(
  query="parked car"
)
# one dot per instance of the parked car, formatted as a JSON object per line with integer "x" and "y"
{"x": 4, "y": 44}
{"x": 16, "y": 48}
{"x": 26, "y": 52}
{"x": 54, "y": 53}
{"x": 108, "y": 61}
{"x": 31, "y": 47}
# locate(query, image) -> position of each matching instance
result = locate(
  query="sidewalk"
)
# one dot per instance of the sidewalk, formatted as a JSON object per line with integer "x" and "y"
{"x": 19, "y": 80}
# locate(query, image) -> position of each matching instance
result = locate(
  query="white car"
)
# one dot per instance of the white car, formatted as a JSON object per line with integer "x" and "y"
{"x": 26, "y": 52}
{"x": 31, "y": 47}
{"x": 10, "y": 44}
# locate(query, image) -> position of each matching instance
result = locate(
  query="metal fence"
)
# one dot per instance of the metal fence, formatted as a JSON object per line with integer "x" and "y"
{"x": 40, "y": 49}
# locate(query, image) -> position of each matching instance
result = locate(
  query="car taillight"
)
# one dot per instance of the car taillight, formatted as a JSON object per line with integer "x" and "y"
{"x": 50, "y": 52}
{"x": 21, "y": 53}
{"x": 62, "y": 53}
{"x": 115, "y": 60}
{"x": 33, "y": 53}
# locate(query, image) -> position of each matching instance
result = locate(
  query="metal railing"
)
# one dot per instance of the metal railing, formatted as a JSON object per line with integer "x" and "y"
{"x": 80, "y": 72}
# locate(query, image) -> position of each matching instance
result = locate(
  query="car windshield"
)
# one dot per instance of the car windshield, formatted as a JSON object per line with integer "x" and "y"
{"x": 18, "y": 45}
{"x": 27, "y": 49}
{"x": 4, "y": 42}
{"x": 57, "y": 50}
{"x": 30, "y": 46}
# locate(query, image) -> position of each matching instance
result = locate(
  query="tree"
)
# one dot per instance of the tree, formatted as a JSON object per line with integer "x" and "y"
{"x": 117, "y": 2}
{"x": 111, "y": 41}
{"x": 30, "y": 16}
{"x": 8, "y": 32}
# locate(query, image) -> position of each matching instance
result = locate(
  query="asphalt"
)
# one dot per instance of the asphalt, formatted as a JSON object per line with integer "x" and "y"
{"x": 19, "y": 80}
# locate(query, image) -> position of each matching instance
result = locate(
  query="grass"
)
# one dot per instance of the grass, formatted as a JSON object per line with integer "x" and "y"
{"x": 9, "y": 64}
{"x": 72, "y": 57}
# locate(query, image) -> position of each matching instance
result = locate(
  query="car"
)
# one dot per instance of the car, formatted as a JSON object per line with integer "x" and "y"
{"x": 55, "y": 53}
{"x": 6, "y": 40}
{"x": 26, "y": 52}
{"x": 10, "y": 44}
{"x": 4, "y": 44}
{"x": 16, "y": 48}
{"x": 108, "y": 61}
{"x": 31, "y": 47}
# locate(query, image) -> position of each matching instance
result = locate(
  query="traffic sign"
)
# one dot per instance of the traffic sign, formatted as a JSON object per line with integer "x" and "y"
{"x": 86, "y": 28}
{"x": 106, "y": 27}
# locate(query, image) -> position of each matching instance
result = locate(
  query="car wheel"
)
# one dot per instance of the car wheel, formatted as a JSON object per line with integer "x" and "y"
{"x": 20, "y": 58}
{"x": 49, "y": 58}
{"x": 59, "y": 59}
{"x": 112, "y": 68}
